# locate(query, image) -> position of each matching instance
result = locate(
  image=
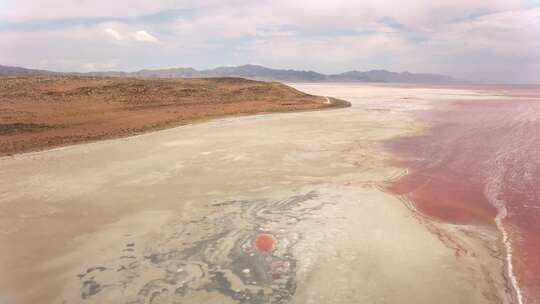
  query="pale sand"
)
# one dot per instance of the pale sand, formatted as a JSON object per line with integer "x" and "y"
{"x": 171, "y": 215}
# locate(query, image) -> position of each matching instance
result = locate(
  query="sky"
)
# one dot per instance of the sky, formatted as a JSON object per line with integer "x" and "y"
{"x": 489, "y": 40}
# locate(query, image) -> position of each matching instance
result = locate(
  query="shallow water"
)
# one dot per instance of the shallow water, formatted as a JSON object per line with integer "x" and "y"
{"x": 179, "y": 214}
{"x": 479, "y": 163}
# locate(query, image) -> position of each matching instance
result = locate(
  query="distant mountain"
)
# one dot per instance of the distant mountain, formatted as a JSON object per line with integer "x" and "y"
{"x": 18, "y": 71}
{"x": 258, "y": 72}
{"x": 262, "y": 73}
{"x": 386, "y": 76}
{"x": 168, "y": 73}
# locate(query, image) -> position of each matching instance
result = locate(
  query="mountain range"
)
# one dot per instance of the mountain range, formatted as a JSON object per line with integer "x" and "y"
{"x": 255, "y": 72}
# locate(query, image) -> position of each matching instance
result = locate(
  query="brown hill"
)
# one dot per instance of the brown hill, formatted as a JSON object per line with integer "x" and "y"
{"x": 38, "y": 112}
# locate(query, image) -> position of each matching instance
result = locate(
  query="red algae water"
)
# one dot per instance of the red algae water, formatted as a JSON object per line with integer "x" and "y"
{"x": 479, "y": 164}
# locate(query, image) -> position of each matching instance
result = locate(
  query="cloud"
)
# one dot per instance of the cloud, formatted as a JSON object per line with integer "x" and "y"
{"x": 24, "y": 10}
{"x": 143, "y": 36}
{"x": 477, "y": 39}
{"x": 113, "y": 33}
{"x": 27, "y": 10}
{"x": 86, "y": 49}
{"x": 139, "y": 36}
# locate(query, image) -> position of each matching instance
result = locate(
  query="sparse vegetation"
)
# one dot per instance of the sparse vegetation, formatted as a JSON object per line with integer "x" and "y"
{"x": 38, "y": 112}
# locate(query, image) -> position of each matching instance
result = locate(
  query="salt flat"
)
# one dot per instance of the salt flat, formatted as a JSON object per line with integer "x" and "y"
{"x": 172, "y": 216}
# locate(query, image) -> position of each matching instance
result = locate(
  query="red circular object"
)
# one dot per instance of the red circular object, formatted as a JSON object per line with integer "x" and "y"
{"x": 264, "y": 242}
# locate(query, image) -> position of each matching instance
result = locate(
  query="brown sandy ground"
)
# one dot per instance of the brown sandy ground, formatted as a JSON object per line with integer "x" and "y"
{"x": 51, "y": 111}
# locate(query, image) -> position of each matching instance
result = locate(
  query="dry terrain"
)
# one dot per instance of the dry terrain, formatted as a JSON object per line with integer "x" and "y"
{"x": 40, "y": 112}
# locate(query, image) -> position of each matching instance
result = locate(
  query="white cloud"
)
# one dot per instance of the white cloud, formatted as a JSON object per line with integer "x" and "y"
{"x": 113, "y": 33}
{"x": 143, "y": 36}
{"x": 464, "y": 38}
{"x": 139, "y": 36}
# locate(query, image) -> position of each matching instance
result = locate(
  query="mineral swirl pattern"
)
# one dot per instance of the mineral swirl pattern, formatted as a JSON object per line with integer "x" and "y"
{"x": 241, "y": 250}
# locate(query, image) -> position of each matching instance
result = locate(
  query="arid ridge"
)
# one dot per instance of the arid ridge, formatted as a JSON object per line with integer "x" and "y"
{"x": 39, "y": 112}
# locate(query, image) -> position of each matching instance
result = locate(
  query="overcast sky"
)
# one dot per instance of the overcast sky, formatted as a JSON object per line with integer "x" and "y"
{"x": 497, "y": 40}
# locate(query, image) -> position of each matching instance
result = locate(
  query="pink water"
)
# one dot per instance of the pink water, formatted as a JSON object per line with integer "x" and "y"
{"x": 480, "y": 164}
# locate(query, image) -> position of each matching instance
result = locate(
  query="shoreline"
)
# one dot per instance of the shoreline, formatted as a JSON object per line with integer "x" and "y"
{"x": 476, "y": 233}
{"x": 511, "y": 291}
{"x": 335, "y": 104}
{"x": 486, "y": 196}
{"x": 40, "y": 113}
